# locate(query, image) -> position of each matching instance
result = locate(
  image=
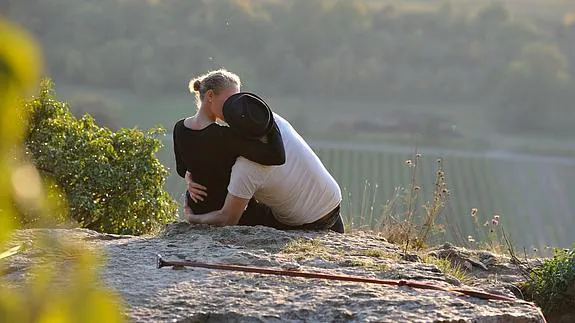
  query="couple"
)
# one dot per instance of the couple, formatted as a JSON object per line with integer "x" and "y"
{"x": 257, "y": 171}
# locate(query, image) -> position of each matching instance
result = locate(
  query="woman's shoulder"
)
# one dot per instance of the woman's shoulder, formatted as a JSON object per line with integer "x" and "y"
{"x": 179, "y": 124}
{"x": 212, "y": 132}
{"x": 225, "y": 129}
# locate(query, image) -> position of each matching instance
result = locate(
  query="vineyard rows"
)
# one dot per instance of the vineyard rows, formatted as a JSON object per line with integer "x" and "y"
{"x": 535, "y": 200}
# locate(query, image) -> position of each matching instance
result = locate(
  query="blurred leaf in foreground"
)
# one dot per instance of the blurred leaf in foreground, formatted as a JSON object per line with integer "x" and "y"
{"x": 54, "y": 290}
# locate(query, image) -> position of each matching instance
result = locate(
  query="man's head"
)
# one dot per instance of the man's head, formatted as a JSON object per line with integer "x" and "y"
{"x": 248, "y": 115}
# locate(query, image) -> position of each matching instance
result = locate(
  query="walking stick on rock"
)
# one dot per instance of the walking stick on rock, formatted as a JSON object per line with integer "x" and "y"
{"x": 295, "y": 273}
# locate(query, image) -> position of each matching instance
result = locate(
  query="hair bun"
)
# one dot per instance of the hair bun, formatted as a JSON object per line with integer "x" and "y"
{"x": 197, "y": 85}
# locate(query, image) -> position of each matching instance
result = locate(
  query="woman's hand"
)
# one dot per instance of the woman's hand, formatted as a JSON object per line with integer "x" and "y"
{"x": 197, "y": 191}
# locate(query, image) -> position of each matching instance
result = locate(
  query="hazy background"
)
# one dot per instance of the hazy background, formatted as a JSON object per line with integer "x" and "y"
{"x": 488, "y": 86}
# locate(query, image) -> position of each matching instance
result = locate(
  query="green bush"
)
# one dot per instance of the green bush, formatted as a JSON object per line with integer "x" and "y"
{"x": 113, "y": 181}
{"x": 552, "y": 285}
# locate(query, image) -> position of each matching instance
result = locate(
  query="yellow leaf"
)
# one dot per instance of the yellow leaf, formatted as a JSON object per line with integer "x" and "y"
{"x": 19, "y": 56}
{"x": 55, "y": 311}
{"x": 10, "y": 252}
{"x": 6, "y": 221}
{"x": 102, "y": 307}
{"x": 20, "y": 65}
{"x": 12, "y": 306}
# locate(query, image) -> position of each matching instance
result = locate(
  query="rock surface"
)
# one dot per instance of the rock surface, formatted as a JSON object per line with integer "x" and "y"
{"x": 204, "y": 295}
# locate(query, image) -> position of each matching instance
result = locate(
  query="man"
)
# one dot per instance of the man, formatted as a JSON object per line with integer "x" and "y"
{"x": 300, "y": 194}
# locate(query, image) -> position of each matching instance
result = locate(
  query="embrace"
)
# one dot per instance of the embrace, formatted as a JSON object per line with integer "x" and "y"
{"x": 257, "y": 170}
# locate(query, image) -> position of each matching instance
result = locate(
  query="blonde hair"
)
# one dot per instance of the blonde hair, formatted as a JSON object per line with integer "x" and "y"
{"x": 214, "y": 80}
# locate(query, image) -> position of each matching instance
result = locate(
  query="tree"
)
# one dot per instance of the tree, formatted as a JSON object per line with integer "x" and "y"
{"x": 283, "y": 48}
{"x": 534, "y": 92}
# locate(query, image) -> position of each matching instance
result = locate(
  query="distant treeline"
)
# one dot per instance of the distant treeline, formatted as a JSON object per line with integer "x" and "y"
{"x": 316, "y": 47}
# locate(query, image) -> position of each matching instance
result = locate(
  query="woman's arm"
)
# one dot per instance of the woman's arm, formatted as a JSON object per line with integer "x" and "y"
{"x": 197, "y": 192}
{"x": 270, "y": 153}
{"x": 180, "y": 166}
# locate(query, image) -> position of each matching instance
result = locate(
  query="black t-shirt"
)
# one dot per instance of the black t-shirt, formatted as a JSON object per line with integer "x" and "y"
{"x": 209, "y": 154}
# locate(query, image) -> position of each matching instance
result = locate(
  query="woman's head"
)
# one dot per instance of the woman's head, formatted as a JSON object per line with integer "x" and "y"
{"x": 213, "y": 88}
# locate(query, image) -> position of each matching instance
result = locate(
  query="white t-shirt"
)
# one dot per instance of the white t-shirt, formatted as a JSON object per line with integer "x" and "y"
{"x": 298, "y": 192}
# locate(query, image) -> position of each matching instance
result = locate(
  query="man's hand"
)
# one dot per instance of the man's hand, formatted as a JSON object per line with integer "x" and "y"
{"x": 230, "y": 214}
{"x": 188, "y": 215}
{"x": 197, "y": 191}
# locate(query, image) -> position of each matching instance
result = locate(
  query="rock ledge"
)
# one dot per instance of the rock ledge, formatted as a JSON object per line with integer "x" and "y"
{"x": 202, "y": 295}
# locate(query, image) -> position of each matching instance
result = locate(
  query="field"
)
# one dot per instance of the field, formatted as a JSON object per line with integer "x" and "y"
{"x": 532, "y": 196}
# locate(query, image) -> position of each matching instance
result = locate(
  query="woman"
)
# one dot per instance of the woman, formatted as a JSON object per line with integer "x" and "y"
{"x": 208, "y": 150}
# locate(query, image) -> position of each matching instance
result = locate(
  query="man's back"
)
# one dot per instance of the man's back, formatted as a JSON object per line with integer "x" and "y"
{"x": 300, "y": 191}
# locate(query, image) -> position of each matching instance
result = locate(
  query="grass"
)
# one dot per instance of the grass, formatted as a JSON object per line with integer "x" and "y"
{"x": 301, "y": 245}
{"x": 308, "y": 248}
{"x": 447, "y": 268}
{"x": 408, "y": 220}
{"x": 302, "y": 248}
{"x": 489, "y": 233}
{"x": 367, "y": 264}
{"x": 376, "y": 253}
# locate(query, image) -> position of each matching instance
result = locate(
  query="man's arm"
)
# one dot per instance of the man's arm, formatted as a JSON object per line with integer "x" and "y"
{"x": 266, "y": 151}
{"x": 230, "y": 214}
{"x": 245, "y": 179}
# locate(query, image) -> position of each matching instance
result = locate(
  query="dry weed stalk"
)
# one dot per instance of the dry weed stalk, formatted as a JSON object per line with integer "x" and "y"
{"x": 435, "y": 208}
{"x": 490, "y": 232}
{"x": 410, "y": 226}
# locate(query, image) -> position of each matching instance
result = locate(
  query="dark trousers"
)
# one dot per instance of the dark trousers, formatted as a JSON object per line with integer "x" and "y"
{"x": 260, "y": 214}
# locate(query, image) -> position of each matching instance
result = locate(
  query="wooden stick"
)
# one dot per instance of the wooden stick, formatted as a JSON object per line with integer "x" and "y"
{"x": 293, "y": 273}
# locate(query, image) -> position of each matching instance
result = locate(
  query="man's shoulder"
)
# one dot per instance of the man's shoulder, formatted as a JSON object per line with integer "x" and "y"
{"x": 281, "y": 121}
{"x": 284, "y": 125}
{"x": 244, "y": 167}
{"x": 246, "y": 163}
